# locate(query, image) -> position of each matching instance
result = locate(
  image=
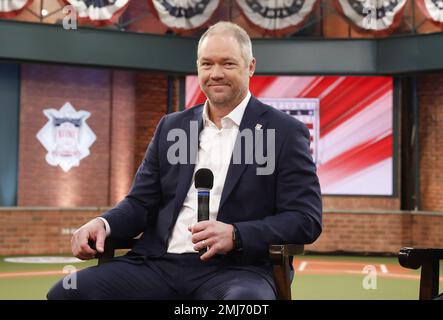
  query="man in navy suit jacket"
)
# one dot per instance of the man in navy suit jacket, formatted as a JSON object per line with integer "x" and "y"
{"x": 254, "y": 203}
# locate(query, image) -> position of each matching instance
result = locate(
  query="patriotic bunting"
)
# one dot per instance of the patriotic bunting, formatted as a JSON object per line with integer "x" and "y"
{"x": 276, "y": 16}
{"x": 98, "y": 12}
{"x": 271, "y": 17}
{"x": 11, "y": 8}
{"x": 433, "y": 10}
{"x": 376, "y": 16}
{"x": 184, "y": 16}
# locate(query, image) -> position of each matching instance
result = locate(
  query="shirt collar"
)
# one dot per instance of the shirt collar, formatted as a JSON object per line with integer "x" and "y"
{"x": 236, "y": 115}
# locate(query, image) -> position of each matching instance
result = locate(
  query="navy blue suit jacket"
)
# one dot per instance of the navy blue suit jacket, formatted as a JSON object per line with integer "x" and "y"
{"x": 283, "y": 207}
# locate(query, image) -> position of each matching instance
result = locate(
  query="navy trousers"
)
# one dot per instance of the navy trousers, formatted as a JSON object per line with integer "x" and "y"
{"x": 170, "y": 277}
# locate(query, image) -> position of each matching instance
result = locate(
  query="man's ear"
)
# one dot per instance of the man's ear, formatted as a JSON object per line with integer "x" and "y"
{"x": 252, "y": 67}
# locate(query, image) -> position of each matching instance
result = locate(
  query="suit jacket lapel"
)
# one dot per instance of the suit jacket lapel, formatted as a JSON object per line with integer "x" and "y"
{"x": 186, "y": 170}
{"x": 251, "y": 118}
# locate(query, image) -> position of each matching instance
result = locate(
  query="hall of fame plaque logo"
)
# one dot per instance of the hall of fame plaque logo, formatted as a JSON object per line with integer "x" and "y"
{"x": 66, "y": 136}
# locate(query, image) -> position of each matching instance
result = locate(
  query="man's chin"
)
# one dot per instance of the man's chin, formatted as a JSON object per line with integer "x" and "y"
{"x": 215, "y": 99}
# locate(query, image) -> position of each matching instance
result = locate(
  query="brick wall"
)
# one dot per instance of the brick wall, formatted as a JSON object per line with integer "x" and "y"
{"x": 151, "y": 105}
{"x": 378, "y": 231}
{"x": 122, "y": 133}
{"x": 49, "y": 230}
{"x": 428, "y": 230}
{"x": 360, "y": 231}
{"x": 40, "y": 184}
{"x": 40, "y": 231}
{"x": 360, "y": 203}
{"x": 431, "y": 141}
{"x": 125, "y": 108}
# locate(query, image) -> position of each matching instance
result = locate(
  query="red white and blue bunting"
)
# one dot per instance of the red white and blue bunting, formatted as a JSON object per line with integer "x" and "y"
{"x": 11, "y": 8}
{"x": 276, "y": 16}
{"x": 184, "y": 15}
{"x": 433, "y": 10}
{"x": 376, "y": 16}
{"x": 98, "y": 12}
{"x": 271, "y": 17}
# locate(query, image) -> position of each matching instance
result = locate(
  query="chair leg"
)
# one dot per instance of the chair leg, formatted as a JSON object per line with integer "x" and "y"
{"x": 282, "y": 280}
{"x": 429, "y": 281}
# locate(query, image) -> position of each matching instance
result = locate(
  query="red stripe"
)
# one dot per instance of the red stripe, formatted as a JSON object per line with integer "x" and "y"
{"x": 316, "y": 91}
{"x": 261, "y": 83}
{"x": 308, "y": 87}
{"x": 348, "y": 99}
{"x": 355, "y": 159}
{"x": 340, "y": 115}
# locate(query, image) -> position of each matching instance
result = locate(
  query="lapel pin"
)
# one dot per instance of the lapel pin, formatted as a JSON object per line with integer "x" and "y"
{"x": 258, "y": 126}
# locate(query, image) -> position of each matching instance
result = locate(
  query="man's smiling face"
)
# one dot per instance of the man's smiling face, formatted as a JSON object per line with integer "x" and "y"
{"x": 223, "y": 72}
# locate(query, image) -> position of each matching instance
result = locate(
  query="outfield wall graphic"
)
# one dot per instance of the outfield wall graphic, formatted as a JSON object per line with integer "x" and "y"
{"x": 350, "y": 120}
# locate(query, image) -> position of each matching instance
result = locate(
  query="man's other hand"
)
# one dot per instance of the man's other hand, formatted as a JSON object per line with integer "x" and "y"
{"x": 95, "y": 231}
{"x": 215, "y": 235}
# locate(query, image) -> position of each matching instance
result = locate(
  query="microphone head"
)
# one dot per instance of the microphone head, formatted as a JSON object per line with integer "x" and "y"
{"x": 204, "y": 179}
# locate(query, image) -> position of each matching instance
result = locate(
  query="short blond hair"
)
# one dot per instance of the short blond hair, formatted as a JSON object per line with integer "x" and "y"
{"x": 236, "y": 31}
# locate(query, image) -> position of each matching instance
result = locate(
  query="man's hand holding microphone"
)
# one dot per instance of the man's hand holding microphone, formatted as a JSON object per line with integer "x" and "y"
{"x": 209, "y": 237}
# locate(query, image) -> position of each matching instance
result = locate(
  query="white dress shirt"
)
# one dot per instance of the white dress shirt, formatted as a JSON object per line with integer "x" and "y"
{"x": 215, "y": 151}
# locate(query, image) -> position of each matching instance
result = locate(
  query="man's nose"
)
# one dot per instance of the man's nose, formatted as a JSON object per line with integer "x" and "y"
{"x": 217, "y": 72}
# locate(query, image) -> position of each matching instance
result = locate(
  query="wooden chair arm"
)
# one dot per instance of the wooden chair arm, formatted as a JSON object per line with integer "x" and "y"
{"x": 287, "y": 250}
{"x": 412, "y": 258}
{"x": 429, "y": 261}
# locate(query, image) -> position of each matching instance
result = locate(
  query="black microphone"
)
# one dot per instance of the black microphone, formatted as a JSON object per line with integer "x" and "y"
{"x": 204, "y": 180}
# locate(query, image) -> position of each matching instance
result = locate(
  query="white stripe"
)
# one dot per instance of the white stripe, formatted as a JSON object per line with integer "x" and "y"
{"x": 383, "y": 268}
{"x": 365, "y": 23}
{"x": 373, "y": 122}
{"x": 434, "y": 11}
{"x": 9, "y": 6}
{"x": 283, "y": 87}
{"x": 331, "y": 87}
{"x": 373, "y": 180}
{"x": 302, "y": 266}
{"x": 97, "y": 13}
